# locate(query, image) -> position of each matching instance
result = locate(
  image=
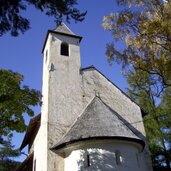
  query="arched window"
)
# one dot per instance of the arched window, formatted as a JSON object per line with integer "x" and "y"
{"x": 64, "y": 49}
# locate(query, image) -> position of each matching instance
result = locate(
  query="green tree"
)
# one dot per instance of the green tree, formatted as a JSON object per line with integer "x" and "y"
{"x": 12, "y": 17}
{"x": 7, "y": 153}
{"x": 15, "y": 100}
{"x": 144, "y": 28}
{"x": 158, "y": 121}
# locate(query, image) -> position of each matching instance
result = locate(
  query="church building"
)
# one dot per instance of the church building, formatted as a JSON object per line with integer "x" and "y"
{"x": 86, "y": 123}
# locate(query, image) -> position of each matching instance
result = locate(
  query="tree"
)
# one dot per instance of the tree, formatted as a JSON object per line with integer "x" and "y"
{"x": 15, "y": 100}
{"x": 157, "y": 122}
{"x": 144, "y": 27}
{"x": 7, "y": 153}
{"x": 12, "y": 19}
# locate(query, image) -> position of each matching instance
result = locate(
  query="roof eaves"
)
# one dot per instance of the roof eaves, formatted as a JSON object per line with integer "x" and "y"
{"x": 65, "y": 144}
{"x": 22, "y": 166}
{"x": 30, "y": 129}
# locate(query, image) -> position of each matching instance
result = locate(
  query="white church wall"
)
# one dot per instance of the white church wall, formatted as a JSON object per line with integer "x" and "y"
{"x": 40, "y": 149}
{"x": 45, "y": 81}
{"x": 64, "y": 92}
{"x": 106, "y": 156}
{"x": 64, "y": 87}
{"x": 40, "y": 144}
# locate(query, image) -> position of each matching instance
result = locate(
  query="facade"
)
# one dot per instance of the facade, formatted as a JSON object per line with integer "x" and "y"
{"x": 86, "y": 122}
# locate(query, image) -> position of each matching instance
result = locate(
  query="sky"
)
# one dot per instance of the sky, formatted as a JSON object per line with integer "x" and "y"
{"x": 23, "y": 53}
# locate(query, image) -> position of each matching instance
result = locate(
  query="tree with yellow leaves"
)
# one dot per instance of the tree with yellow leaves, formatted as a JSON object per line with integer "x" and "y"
{"x": 144, "y": 27}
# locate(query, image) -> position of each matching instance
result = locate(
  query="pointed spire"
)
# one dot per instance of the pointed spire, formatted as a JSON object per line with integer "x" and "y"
{"x": 62, "y": 28}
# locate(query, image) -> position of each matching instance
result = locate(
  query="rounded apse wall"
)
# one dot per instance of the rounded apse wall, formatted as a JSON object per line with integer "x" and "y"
{"x": 105, "y": 156}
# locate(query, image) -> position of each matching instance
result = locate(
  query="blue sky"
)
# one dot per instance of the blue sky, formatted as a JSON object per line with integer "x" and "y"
{"x": 23, "y": 54}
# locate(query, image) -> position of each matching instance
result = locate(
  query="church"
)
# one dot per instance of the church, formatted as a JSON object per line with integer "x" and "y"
{"x": 86, "y": 123}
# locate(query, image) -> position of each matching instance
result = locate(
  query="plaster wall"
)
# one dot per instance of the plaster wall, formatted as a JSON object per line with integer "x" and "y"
{"x": 40, "y": 144}
{"x": 63, "y": 98}
{"x": 64, "y": 87}
{"x": 45, "y": 81}
{"x": 40, "y": 149}
{"x": 102, "y": 157}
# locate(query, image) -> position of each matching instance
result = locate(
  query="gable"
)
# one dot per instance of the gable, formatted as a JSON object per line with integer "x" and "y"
{"x": 92, "y": 68}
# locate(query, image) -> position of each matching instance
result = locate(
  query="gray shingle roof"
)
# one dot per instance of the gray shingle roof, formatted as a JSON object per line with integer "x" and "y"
{"x": 62, "y": 28}
{"x": 97, "y": 120}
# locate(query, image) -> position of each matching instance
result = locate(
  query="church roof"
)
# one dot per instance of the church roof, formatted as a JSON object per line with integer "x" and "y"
{"x": 98, "y": 121}
{"x": 26, "y": 164}
{"x": 32, "y": 130}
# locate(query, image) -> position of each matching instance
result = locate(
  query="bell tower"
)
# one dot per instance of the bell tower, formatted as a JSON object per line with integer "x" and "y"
{"x": 61, "y": 84}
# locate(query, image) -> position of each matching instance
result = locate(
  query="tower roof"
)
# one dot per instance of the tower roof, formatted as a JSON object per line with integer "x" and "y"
{"x": 98, "y": 121}
{"x": 63, "y": 30}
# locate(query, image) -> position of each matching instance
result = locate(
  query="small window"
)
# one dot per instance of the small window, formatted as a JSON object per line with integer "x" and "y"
{"x": 118, "y": 157}
{"x": 86, "y": 159}
{"x": 64, "y": 49}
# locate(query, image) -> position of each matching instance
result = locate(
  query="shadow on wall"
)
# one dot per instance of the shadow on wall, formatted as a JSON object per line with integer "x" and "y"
{"x": 98, "y": 159}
